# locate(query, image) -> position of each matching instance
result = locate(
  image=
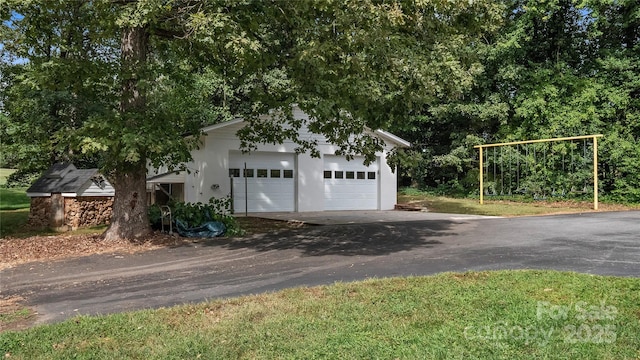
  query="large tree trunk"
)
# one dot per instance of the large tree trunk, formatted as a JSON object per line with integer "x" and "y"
{"x": 134, "y": 48}
{"x": 129, "y": 218}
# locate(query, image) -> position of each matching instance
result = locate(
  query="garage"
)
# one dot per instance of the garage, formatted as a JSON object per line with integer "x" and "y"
{"x": 350, "y": 185}
{"x": 280, "y": 178}
{"x": 262, "y": 181}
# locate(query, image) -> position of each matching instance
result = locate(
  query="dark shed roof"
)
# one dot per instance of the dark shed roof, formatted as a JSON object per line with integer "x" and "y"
{"x": 62, "y": 178}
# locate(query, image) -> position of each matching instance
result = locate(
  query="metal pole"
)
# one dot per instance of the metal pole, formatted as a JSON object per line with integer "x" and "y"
{"x": 539, "y": 141}
{"x": 231, "y": 194}
{"x": 481, "y": 177}
{"x": 595, "y": 173}
{"x": 595, "y": 159}
{"x": 501, "y": 171}
{"x": 518, "y": 164}
{"x": 246, "y": 192}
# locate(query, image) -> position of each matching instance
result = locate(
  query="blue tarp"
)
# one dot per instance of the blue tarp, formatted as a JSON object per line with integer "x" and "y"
{"x": 207, "y": 230}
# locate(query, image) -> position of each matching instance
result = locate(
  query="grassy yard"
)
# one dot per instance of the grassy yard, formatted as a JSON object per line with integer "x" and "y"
{"x": 476, "y": 315}
{"x": 12, "y": 221}
{"x": 500, "y": 207}
{"x": 4, "y": 174}
{"x": 14, "y": 198}
{"x": 14, "y": 206}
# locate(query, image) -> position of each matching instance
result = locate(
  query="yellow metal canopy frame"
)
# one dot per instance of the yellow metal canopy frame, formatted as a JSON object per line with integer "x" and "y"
{"x": 595, "y": 160}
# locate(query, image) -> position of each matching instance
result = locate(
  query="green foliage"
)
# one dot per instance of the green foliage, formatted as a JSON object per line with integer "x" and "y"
{"x": 352, "y": 65}
{"x": 409, "y": 163}
{"x": 622, "y": 173}
{"x": 454, "y": 172}
{"x": 556, "y": 68}
{"x": 220, "y": 59}
{"x": 155, "y": 215}
{"x": 22, "y": 178}
{"x": 561, "y": 169}
{"x": 52, "y": 79}
{"x": 196, "y": 214}
{"x": 124, "y": 84}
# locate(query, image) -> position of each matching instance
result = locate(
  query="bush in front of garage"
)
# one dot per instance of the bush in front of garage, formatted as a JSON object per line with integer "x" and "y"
{"x": 196, "y": 214}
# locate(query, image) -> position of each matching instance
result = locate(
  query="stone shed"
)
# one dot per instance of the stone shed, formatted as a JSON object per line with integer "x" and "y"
{"x": 67, "y": 198}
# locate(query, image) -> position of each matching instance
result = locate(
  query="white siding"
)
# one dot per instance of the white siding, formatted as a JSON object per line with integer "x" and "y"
{"x": 169, "y": 178}
{"x": 91, "y": 189}
{"x": 209, "y": 175}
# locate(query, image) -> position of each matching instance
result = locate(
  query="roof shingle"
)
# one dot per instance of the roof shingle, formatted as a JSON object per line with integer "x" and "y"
{"x": 62, "y": 178}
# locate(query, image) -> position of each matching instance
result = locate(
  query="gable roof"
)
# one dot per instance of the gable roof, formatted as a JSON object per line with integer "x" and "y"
{"x": 385, "y": 135}
{"x": 62, "y": 178}
{"x": 168, "y": 177}
{"x": 222, "y": 124}
{"x": 392, "y": 138}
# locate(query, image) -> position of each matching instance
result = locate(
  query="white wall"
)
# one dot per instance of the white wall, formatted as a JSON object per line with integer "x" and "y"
{"x": 310, "y": 183}
{"x": 388, "y": 184}
{"x": 211, "y": 163}
{"x": 89, "y": 188}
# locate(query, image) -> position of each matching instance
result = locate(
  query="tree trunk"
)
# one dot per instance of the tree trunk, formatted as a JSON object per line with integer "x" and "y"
{"x": 134, "y": 46}
{"x": 129, "y": 218}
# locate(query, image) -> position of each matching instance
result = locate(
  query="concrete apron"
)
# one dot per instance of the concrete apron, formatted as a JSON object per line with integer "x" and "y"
{"x": 362, "y": 216}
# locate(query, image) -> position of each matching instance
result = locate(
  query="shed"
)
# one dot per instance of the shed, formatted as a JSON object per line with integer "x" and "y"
{"x": 66, "y": 197}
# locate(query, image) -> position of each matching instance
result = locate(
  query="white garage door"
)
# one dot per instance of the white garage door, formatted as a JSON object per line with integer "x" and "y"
{"x": 270, "y": 181}
{"x": 350, "y": 185}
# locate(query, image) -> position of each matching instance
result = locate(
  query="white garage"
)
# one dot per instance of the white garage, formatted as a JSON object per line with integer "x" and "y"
{"x": 262, "y": 182}
{"x": 274, "y": 178}
{"x": 350, "y": 185}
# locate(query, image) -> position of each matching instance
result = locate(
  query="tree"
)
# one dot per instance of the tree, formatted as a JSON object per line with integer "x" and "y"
{"x": 556, "y": 68}
{"x": 617, "y": 68}
{"x": 349, "y": 64}
{"x": 52, "y": 81}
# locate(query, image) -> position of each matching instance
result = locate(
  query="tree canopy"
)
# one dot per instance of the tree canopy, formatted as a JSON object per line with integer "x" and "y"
{"x": 123, "y": 84}
{"x": 555, "y": 68}
{"x": 127, "y": 83}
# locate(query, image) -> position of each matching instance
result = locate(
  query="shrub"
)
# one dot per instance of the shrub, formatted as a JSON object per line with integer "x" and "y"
{"x": 196, "y": 214}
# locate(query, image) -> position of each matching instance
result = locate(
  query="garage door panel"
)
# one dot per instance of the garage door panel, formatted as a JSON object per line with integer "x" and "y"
{"x": 350, "y": 185}
{"x": 270, "y": 185}
{"x": 262, "y": 197}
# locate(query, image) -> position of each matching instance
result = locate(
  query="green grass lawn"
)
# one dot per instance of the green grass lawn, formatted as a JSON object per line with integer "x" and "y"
{"x": 12, "y": 222}
{"x": 500, "y": 207}
{"x": 14, "y": 209}
{"x": 4, "y": 174}
{"x": 14, "y": 198}
{"x": 476, "y": 315}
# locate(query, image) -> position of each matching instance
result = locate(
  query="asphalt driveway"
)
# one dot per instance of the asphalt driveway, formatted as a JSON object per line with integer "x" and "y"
{"x": 596, "y": 243}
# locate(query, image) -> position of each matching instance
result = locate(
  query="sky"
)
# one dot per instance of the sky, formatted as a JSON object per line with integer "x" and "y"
{"x": 5, "y": 57}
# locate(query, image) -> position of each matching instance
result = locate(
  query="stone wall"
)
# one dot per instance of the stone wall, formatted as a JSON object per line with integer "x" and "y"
{"x": 78, "y": 212}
